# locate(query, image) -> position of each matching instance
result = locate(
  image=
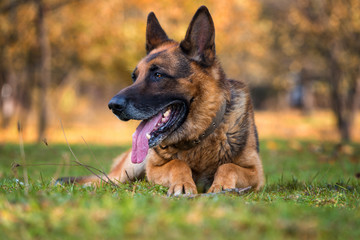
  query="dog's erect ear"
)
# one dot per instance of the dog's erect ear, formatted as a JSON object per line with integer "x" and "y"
{"x": 199, "y": 42}
{"x": 155, "y": 35}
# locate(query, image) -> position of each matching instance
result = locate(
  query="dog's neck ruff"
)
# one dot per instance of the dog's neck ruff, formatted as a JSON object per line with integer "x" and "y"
{"x": 185, "y": 145}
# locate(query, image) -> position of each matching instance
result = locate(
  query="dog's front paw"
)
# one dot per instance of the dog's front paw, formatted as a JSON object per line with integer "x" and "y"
{"x": 182, "y": 188}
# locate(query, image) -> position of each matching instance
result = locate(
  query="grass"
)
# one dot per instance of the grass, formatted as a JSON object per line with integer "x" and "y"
{"x": 312, "y": 192}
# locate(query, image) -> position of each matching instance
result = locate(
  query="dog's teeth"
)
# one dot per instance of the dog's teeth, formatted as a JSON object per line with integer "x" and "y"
{"x": 163, "y": 119}
{"x": 167, "y": 113}
{"x": 148, "y": 136}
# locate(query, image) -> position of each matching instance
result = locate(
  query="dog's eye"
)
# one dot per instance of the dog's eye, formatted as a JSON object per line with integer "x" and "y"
{"x": 133, "y": 76}
{"x": 158, "y": 75}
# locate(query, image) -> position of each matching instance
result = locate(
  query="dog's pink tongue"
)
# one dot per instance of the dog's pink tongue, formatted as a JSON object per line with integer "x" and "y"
{"x": 140, "y": 144}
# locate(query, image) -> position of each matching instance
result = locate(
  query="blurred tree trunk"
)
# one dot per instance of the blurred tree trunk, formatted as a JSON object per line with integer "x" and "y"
{"x": 344, "y": 101}
{"x": 44, "y": 67}
{"x": 27, "y": 83}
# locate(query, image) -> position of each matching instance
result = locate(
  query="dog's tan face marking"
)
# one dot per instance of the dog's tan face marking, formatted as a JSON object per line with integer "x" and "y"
{"x": 144, "y": 65}
{"x": 167, "y": 59}
{"x": 174, "y": 68}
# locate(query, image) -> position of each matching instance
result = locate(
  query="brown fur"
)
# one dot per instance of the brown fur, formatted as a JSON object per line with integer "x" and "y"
{"x": 228, "y": 157}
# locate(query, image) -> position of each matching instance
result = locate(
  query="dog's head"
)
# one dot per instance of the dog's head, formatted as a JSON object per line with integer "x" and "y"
{"x": 171, "y": 83}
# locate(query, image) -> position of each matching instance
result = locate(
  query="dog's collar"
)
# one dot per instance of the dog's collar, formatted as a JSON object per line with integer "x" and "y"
{"x": 185, "y": 145}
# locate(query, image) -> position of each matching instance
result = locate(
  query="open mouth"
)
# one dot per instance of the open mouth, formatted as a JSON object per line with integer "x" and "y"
{"x": 151, "y": 132}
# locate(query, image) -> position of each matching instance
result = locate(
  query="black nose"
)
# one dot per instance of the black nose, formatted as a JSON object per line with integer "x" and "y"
{"x": 117, "y": 103}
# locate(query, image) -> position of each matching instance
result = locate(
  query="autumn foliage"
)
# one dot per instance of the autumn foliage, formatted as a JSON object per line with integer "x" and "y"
{"x": 59, "y": 57}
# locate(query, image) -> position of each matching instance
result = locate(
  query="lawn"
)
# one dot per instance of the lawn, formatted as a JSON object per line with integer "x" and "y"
{"x": 312, "y": 192}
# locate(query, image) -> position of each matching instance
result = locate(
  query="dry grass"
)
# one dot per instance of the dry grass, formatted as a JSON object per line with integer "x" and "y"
{"x": 295, "y": 125}
{"x": 101, "y": 126}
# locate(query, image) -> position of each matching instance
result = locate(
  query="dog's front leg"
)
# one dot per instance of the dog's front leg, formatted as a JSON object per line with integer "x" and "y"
{"x": 123, "y": 170}
{"x": 175, "y": 174}
{"x": 230, "y": 176}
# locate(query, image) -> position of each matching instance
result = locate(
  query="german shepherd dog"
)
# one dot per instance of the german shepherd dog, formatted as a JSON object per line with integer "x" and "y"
{"x": 197, "y": 127}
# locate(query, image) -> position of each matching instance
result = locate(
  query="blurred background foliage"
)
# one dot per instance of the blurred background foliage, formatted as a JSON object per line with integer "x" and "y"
{"x": 66, "y": 58}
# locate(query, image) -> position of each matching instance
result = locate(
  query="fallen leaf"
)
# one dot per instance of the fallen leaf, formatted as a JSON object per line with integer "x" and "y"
{"x": 271, "y": 145}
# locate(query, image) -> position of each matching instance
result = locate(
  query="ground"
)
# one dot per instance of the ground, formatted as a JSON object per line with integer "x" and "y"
{"x": 312, "y": 186}
{"x": 312, "y": 192}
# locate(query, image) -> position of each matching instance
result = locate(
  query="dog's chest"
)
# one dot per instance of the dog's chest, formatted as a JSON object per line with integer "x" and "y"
{"x": 208, "y": 156}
